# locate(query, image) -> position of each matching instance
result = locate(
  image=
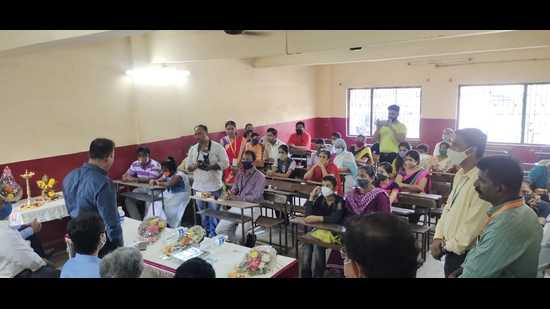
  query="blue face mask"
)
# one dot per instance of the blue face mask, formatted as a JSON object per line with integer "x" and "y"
{"x": 5, "y": 211}
{"x": 247, "y": 165}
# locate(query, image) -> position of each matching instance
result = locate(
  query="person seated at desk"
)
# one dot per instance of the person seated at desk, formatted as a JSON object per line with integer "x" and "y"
{"x": 345, "y": 161}
{"x": 335, "y": 136}
{"x": 17, "y": 258}
{"x": 375, "y": 149}
{"x": 324, "y": 168}
{"x": 441, "y": 160}
{"x": 397, "y": 164}
{"x": 385, "y": 181}
{"x": 533, "y": 200}
{"x": 249, "y": 187}
{"x": 271, "y": 145}
{"x": 413, "y": 178}
{"x": 176, "y": 196}
{"x": 258, "y": 149}
{"x": 366, "y": 198}
{"x": 378, "y": 245}
{"x": 301, "y": 140}
{"x": 361, "y": 151}
{"x": 318, "y": 145}
{"x": 234, "y": 147}
{"x": 426, "y": 160}
{"x": 284, "y": 165}
{"x": 142, "y": 170}
{"x": 124, "y": 262}
{"x": 195, "y": 268}
{"x": 87, "y": 237}
{"x": 538, "y": 175}
{"x": 323, "y": 206}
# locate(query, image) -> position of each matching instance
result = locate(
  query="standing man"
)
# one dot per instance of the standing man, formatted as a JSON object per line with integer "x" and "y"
{"x": 465, "y": 213}
{"x": 389, "y": 134}
{"x": 301, "y": 140}
{"x": 142, "y": 170}
{"x": 271, "y": 145}
{"x": 511, "y": 240}
{"x": 88, "y": 188}
{"x": 206, "y": 160}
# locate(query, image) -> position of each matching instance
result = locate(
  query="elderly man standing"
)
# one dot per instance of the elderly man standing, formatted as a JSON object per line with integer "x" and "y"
{"x": 207, "y": 160}
{"x": 510, "y": 243}
{"x": 464, "y": 214}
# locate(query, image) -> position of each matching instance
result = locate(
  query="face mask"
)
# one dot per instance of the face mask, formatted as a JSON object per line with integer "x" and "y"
{"x": 5, "y": 211}
{"x": 381, "y": 177}
{"x": 442, "y": 152}
{"x": 455, "y": 157}
{"x": 247, "y": 165}
{"x": 299, "y": 131}
{"x": 363, "y": 183}
{"x": 255, "y": 141}
{"x": 282, "y": 156}
{"x": 325, "y": 191}
{"x": 338, "y": 150}
{"x": 402, "y": 153}
{"x": 102, "y": 241}
{"x": 360, "y": 145}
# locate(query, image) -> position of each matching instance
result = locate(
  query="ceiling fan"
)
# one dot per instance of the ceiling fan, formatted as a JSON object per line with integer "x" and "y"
{"x": 246, "y": 32}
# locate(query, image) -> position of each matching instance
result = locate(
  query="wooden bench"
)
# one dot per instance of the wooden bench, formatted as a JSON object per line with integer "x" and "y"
{"x": 423, "y": 232}
{"x": 224, "y": 215}
{"x": 335, "y": 228}
{"x": 426, "y": 202}
{"x": 275, "y": 202}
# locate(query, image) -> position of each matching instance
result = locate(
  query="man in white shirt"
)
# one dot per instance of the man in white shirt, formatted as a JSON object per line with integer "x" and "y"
{"x": 271, "y": 145}
{"x": 207, "y": 160}
{"x": 17, "y": 258}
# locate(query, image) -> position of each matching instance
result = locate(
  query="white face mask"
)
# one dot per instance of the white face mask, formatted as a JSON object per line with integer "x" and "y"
{"x": 455, "y": 157}
{"x": 102, "y": 240}
{"x": 325, "y": 191}
{"x": 339, "y": 150}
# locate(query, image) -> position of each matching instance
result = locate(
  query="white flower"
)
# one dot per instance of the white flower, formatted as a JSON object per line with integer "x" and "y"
{"x": 266, "y": 258}
{"x": 262, "y": 265}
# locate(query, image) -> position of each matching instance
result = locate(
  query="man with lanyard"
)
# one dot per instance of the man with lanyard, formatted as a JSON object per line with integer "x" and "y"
{"x": 390, "y": 133}
{"x": 510, "y": 243}
{"x": 464, "y": 214}
{"x": 249, "y": 187}
{"x": 206, "y": 160}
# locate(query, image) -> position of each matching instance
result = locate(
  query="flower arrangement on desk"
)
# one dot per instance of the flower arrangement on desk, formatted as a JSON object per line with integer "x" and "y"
{"x": 10, "y": 190}
{"x": 150, "y": 229}
{"x": 258, "y": 261}
{"x": 47, "y": 184}
{"x": 192, "y": 236}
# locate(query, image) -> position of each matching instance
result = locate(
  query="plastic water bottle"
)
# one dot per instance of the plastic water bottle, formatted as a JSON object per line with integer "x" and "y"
{"x": 121, "y": 214}
{"x": 174, "y": 235}
{"x": 219, "y": 239}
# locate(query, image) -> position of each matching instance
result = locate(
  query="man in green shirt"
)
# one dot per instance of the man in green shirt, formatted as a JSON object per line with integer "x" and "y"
{"x": 510, "y": 244}
{"x": 389, "y": 134}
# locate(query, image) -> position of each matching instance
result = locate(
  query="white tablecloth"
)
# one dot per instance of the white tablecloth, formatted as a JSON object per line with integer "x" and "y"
{"x": 50, "y": 211}
{"x": 223, "y": 258}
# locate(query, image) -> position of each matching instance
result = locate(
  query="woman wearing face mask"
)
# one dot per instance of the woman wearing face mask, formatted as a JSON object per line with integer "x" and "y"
{"x": 324, "y": 168}
{"x": 442, "y": 163}
{"x": 255, "y": 146}
{"x": 367, "y": 198}
{"x": 385, "y": 182}
{"x": 404, "y": 147}
{"x": 413, "y": 178}
{"x": 345, "y": 161}
{"x": 284, "y": 166}
{"x": 176, "y": 196}
{"x": 323, "y": 206}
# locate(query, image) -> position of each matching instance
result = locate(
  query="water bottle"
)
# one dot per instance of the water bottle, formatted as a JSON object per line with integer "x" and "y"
{"x": 121, "y": 214}
{"x": 219, "y": 239}
{"x": 175, "y": 235}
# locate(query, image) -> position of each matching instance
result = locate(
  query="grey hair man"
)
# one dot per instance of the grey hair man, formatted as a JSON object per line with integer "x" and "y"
{"x": 124, "y": 262}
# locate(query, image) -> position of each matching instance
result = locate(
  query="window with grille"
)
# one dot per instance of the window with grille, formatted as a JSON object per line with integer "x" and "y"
{"x": 367, "y": 105}
{"x": 513, "y": 113}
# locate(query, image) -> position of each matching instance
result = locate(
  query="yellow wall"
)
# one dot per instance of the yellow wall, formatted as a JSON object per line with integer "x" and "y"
{"x": 439, "y": 85}
{"x": 56, "y": 100}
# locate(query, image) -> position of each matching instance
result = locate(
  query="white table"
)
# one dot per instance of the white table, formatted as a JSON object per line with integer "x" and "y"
{"x": 52, "y": 210}
{"x": 223, "y": 258}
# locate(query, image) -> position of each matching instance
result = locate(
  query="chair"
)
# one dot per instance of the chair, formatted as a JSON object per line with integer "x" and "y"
{"x": 275, "y": 202}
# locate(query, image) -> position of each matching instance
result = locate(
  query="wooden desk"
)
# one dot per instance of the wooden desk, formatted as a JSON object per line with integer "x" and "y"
{"x": 225, "y": 215}
{"x": 336, "y": 228}
{"x": 144, "y": 197}
{"x": 420, "y": 199}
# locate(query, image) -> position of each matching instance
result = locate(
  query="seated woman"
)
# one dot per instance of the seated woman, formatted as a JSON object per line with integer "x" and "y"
{"x": 323, "y": 206}
{"x": 362, "y": 152}
{"x": 258, "y": 149}
{"x": 385, "y": 181}
{"x": 366, "y": 198}
{"x": 284, "y": 165}
{"x": 538, "y": 175}
{"x": 397, "y": 164}
{"x": 345, "y": 161}
{"x": 426, "y": 160}
{"x": 249, "y": 187}
{"x": 176, "y": 196}
{"x": 413, "y": 178}
{"x": 441, "y": 162}
{"x": 324, "y": 168}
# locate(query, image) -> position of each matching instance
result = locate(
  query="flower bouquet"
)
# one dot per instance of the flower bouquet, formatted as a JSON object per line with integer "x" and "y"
{"x": 258, "y": 261}
{"x": 192, "y": 236}
{"x": 10, "y": 190}
{"x": 47, "y": 185}
{"x": 150, "y": 229}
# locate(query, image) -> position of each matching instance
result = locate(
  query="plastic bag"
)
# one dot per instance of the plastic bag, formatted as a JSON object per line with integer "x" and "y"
{"x": 325, "y": 236}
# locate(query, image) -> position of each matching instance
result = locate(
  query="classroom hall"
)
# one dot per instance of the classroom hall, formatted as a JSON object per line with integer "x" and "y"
{"x": 275, "y": 153}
